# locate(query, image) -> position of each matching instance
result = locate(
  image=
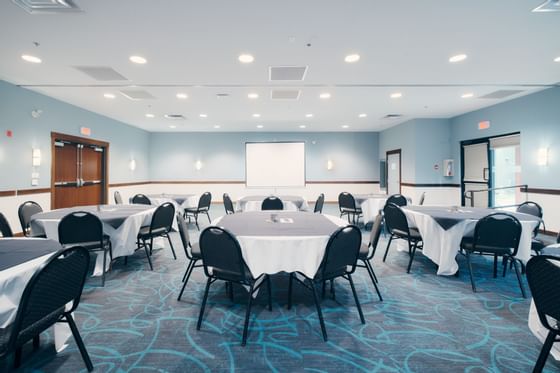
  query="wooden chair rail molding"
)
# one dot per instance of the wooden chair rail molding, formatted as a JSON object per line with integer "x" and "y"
{"x": 21, "y": 192}
{"x": 116, "y": 185}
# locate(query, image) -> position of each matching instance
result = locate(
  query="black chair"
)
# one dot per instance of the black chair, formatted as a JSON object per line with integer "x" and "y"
{"x": 57, "y": 283}
{"x": 319, "y": 204}
{"x": 543, "y": 273}
{"x": 397, "y": 199}
{"x": 534, "y": 209}
{"x": 272, "y": 203}
{"x": 5, "y": 229}
{"x": 81, "y": 228}
{"x": 367, "y": 251}
{"x": 141, "y": 199}
{"x": 228, "y": 204}
{"x": 498, "y": 235}
{"x": 398, "y": 228}
{"x": 222, "y": 260}
{"x": 203, "y": 206}
{"x": 422, "y": 199}
{"x": 191, "y": 251}
{"x": 25, "y": 211}
{"x": 341, "y": 256}
{"x": 162, "y": 221}
{"x": 118, "y": 198}
{"x": 347, "y": 206}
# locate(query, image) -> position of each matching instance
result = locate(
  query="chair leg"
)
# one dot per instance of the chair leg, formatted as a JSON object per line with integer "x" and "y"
{"x": 387, "y": 249}
{"x": 319, "y": 313}
{"x": 519, "y": 279}
{"x": 103, "y": 269}
{"x": 468, "y": 255}
{"x": 356, "y": 299}
{"x": 290, "y": 281}
{"x": 186, "y": 278}
{"x": 17, "y": 357}
{"x": 412, "y": 256}
{"x": 373, "y": 278}
{"x": 203, "y": 305}
{"x": 36, "y": 342}
{"x": 495, "y": 265}
{"x": 332, "y": 289}
{"x": 196, "y": 221}
{"x": 230, "y": 289}
{"x": 208, "y": 216}
{"x": 171, "y": 245}
{"x": 187, "y": 270}
{"x": 545, "y": 351}
{"x": 79, "y": 342}
{"x": 247, "y": 315}
{"x": 323, "y": 287}
{"x": 269, "y": 287}
{"x": 148, "y": 255}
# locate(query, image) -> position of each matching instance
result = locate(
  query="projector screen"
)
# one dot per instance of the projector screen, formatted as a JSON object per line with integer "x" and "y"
{"x": 275, "y": 164}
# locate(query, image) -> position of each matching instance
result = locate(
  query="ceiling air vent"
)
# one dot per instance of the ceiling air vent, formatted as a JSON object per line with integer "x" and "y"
{"x": 502, "y": 93}
{"x": 100, "y": 73}
{"x": 392, "y": 116}
{"x": 47, "y": 6}
{"x": 175, "y": 116}
{"x": 287, "y": 73}
{"x": 137, "y": 94}
{"x": 285, "y": 94}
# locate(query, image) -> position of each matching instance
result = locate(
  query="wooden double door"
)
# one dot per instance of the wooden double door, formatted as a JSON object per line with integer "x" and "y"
{"x": 79, "y": 171}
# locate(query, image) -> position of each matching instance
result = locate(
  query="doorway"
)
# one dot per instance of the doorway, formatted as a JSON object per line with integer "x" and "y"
{"x": 79, "y": 171}
{"x": 394, "y": 171}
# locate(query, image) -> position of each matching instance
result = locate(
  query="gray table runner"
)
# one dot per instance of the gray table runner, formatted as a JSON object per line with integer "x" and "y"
{"x": 17, "y": 251}
{"x": 179, "y": 198}
{"x": 114, "y": 215}
{"x": 258, "y": 223}
{"x": 298, "y": 201}
{"x": 447, "y": 218}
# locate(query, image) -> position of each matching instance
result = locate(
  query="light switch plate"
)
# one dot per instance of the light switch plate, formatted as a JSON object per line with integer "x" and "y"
{"x": 34, "y": 182}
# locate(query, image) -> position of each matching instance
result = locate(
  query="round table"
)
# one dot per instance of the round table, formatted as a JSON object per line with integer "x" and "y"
{"x": 181, "y": 201}
{"x": 253, "y": 203}
{"x": 370, "y": 205}
{"x": 273, "y": 242}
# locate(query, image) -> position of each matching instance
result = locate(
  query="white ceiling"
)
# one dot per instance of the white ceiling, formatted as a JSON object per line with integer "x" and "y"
{"x": 192, "y": 47}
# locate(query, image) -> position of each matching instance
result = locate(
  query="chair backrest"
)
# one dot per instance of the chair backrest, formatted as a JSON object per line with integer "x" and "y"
{"x": 397, "y": 199}
{"x": 497, "y": 231}
{"x": 346, "y": 202}
{"x": 543, "y": 273}
{"x": 341, "y": 253}
{"x": 118, "y": 198}
{"x": 59, "y": 281}
{"x": 375, "y": 235}
{"x": 204, "y": 201}
{"x": 319, "y": 204}
{"x": 25, "y": 211}
{"x": 162, "y": 219}
{"x": 272, "y": 203}
{"x": 228, "y": 204}
{"x": 5, "y": 229}
{"x": 395, "y": 218}
{"x": 184, "y": 234}
{"x": 531, "y": 208}
{"x": 141, "y": 199}
{"x": 80, "y": 227}
{"x": 422, "y": 199}
{"x": 221, "y": 255}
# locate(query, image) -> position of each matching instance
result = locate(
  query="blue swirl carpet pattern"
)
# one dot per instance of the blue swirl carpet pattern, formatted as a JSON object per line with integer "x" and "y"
{"x": 426, "y": 323}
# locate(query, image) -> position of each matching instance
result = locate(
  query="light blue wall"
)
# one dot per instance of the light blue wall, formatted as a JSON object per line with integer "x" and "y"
{"x": 401, "y": 137}
{"x": 16, "y": 104}
{"x": 433, "y": 145}
{"x": 173, "y": 155}
{"x": 536, "y": 116}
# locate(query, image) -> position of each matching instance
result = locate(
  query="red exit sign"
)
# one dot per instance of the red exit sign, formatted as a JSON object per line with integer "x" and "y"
{"x": 484, "y": 125}
{"x": 86, "y": 131}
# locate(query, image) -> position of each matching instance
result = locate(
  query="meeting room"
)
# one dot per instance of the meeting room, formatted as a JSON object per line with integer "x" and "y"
{"x": 290, "y": 186}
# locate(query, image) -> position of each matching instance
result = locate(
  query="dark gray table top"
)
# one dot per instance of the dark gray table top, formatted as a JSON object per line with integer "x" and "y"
{"x": 289, "y": 223}
{"x": 15, "y": 251}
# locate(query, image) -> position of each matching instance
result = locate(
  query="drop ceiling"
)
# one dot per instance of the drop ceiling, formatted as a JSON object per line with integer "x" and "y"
{"x": 192, "y": 48}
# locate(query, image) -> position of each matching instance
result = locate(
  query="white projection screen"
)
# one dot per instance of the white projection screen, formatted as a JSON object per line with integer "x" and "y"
{"x": 275, "y": 164}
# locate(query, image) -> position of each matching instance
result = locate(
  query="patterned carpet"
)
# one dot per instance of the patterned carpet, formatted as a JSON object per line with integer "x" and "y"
{"x": 426, "y": 323}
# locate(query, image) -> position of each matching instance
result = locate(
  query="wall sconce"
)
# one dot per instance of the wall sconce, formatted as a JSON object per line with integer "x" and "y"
{"x": 132, "y": 165}
{"x": 330, "y": 165}
{"x": 36, "y": 160}
{"x": 542, "y": 159}
{"x": 198, "y": 165}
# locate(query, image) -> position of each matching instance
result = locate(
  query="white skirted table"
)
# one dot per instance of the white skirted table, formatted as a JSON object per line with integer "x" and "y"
{"x": 181, "y": 201}
{"x": 253, "y": 203}
{"x": 370, "y": 205}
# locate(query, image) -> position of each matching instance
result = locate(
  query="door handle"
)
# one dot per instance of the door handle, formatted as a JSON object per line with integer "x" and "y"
{"x": 485, "y": 173}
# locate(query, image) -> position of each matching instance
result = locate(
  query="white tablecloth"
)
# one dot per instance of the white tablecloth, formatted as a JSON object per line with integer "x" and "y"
{"x": 190, "y": 201}
{"x": 370, "y": 207}
{"x": 273, "y": 254}
{"x": 442, "y": 246}
{"x": 254, "y": 204}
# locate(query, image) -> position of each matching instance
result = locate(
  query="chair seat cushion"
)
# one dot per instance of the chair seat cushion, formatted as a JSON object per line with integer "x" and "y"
{"x": 468, "y": 245}
{"x": 92, "y": 245}
{"x": 414, "y": 233}
{"x": 144, "y": 232}
{"x": 364, "y": 251}
{"x": 195, "y": 251}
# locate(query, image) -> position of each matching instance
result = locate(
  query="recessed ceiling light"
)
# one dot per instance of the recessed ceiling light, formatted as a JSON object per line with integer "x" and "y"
{"x": 363, "y": 115}
{"x": 138, "y": 59}
{"x": 557, "y": 59}
{"x": 253, "y": 96}
{"x": 30, "y": 58}
{"x": 182, "y": 96}
{"x": 325, "y": 95}
{"x": 302, "y": 126}
{"x": 256, "y": 115}
{"x": 109, "y": 95}
{"x": 467, "y": 95}
{"x": 150, "y": 115}
{"x": 203, "y": 115}
{"x": 217, "y": 126}
{"x": 457, "y": 58}
{"x": 245, "y": 58}
{"x": 351, "y": 58}
{"x": 260, "y": 126}
{"x": 396, "y": 95}
{"x": 345, "y": 126}
{"x": 309, "y": 115}
{"x": 172, "y": 126}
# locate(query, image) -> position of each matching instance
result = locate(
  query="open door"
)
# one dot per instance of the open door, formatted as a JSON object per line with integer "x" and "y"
{"x": 394, "y": 172}
{"x": 475, "y": 173}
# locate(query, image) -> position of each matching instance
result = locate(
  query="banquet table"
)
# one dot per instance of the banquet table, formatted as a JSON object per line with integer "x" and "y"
{"x": 253, "y": 203}
{"x": 370, "y": 205}
{"x": 273, "y": 242}
{"x": 181, "y": 201}
{"x": 442, "y": 229}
